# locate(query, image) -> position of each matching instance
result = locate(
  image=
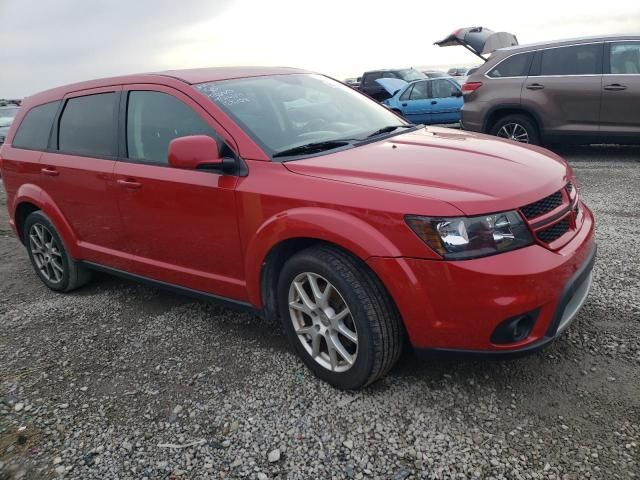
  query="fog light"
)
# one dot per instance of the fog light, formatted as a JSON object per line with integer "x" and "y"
{"x": 514, "y": 329}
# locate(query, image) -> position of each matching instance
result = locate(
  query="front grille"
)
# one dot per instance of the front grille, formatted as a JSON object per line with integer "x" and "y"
{"x": 543, "y": 206}
{"x": 554, "y": 232}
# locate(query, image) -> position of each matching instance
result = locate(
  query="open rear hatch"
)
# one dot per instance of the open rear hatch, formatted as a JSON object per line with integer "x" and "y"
{"x": 479, "y": 40}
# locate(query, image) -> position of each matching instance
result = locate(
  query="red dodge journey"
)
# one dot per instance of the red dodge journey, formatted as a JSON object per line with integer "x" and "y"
{"x": 292, "y": 195}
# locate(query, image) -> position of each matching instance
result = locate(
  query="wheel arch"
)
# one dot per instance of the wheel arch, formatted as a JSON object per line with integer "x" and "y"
{"x": 31, "y": 198}
{"x": 498, "y": 111}
{"x": 286, "y": 233}
{"x": 22, "y": 211}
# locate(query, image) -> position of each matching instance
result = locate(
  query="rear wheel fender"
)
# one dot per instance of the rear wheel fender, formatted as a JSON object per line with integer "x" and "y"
{"x": 34, "y": 195}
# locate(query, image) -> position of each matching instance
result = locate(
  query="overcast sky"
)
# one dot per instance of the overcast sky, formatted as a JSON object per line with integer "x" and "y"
{"x": 46, "y": 43}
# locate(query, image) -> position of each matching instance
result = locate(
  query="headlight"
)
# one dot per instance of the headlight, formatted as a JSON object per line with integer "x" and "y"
{"x": 461, "y": 238}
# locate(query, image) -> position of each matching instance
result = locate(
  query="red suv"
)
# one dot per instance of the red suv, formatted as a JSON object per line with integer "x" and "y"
{"x": 292, "y": 195}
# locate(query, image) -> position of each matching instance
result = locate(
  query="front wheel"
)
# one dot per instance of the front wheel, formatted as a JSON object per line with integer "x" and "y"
{"x": 338, "y": 317}
{"x": 519, "y": 128}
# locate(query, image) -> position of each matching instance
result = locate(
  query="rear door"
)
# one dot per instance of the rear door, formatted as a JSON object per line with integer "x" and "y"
{"x": 620, "y": 113}
{"x": 446, "y": 101}
{"x": 416, "y": 104}
{"x": 564, "y": 88}
{"x": 77, "y": 172}
{"x": 181, "y": 225}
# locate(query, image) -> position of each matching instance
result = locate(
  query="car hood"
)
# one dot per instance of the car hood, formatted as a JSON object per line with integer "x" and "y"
{"x": 475, "y": 173}
{"x": 392, "y": 85}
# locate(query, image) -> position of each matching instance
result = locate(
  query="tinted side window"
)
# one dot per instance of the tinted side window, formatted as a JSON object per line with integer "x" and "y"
{"x": 420, "y": 91}
{"x": 33, "y": 132}
{"x": 515, "y": 66}
{"x": 407, "y": 93}
{"x": 625, "y": 58}
{"x": 442, "y": 89}
{"x": 156, "y": 118}
{"x": 88, "y": 125}
{"x": 576, "y": 60}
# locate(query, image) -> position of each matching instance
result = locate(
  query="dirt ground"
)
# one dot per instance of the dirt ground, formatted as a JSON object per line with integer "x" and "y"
{"x": 119, "y": 380}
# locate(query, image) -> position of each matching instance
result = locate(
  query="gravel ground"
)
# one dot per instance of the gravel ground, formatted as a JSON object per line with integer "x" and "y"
{"x": 124, "y": 381}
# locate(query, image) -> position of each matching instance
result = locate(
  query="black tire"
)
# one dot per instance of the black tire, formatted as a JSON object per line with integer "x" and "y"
{"x": 522, "y": 121}
{"x": 377, "y": 323}
{"x": 73, "y": 275}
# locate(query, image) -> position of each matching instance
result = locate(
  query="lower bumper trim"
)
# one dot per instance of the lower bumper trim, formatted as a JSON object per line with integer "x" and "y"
{"x": 573, "y": 297}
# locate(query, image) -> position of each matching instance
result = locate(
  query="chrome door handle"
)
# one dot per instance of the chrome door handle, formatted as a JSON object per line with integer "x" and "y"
{"x": 615, "y": 87}
{"x": 129, "y": 183}
{"x": 535, "y": 86}
{"x": 52, "y": 172}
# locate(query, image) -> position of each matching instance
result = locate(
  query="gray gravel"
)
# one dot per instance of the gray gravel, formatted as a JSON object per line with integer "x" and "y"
{"x": 123, "y": 381}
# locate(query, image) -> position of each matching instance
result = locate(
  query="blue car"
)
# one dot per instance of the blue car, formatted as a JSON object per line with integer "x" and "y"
{"x": 437, "y": 100}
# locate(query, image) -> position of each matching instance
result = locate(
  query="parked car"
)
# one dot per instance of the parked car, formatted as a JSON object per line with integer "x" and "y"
{"x": 289, "y": 194}
{"x": 567, "y": 91}
{"x": 7, "y": 114}
{"x": 435, "y": 74}
{"x": 458, "y": 72}
{"x": 353, "y": 82}
{"x": 437, "y": 100}
{"x": 372, "y": 88}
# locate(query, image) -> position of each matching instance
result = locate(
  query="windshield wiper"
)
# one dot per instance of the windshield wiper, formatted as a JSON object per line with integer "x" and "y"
{"x": 388, "y": 129}
{"x": 311, "y": 148}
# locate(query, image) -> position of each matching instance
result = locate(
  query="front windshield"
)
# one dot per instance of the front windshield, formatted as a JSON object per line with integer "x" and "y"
{"x": 411, "y": 75}
{"x": 7, "y": 115}
{"x": 282, "y": 112}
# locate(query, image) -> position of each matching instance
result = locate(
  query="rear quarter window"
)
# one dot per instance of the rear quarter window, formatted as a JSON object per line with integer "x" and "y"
{"x": 33, "y": 132}
{"x": 514, "y": 66}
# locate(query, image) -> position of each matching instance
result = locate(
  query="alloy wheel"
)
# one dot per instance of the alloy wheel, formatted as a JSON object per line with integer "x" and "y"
{"x": 514, "y": 131}
{"x": 46, "y": 253}
{"x": 323, "y": 322}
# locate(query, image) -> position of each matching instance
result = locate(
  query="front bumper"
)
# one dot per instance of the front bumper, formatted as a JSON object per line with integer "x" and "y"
{"x": 457, "y": 305}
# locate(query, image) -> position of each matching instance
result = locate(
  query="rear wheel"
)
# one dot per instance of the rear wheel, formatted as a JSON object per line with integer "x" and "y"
{"x": 49, "y": 257}
{"x": 338, "y": 317}
{"x": 519, "y": 128}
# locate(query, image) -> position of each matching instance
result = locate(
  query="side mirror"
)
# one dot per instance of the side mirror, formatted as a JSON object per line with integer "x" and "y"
{"x": 457, "y": 93}
{"x": 193, "y": 152}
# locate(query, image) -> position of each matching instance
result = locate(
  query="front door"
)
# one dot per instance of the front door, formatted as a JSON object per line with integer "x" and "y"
{"x": 181, "y": 224}
{"x": 620, "y": 113}
{"x": 417, "y": 107}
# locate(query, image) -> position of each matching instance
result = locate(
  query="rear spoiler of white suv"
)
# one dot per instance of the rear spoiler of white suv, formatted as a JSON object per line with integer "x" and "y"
{"x": 479, "y": 40}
